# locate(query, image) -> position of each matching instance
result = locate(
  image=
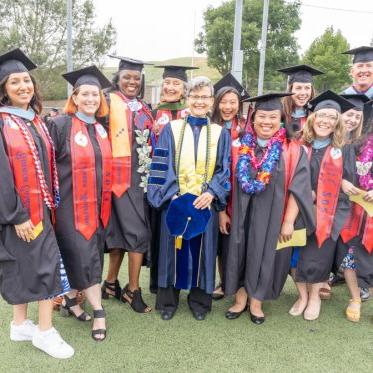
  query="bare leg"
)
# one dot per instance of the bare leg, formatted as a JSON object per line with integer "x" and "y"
{"x": 219, "y": 290}
{"x": 45, "y": 314}
{"x": 19, "y": 313}
{"x": 93, "y": 295}
{"x": 256, "y": 307}
{"x": 312, "y": 311}
{"x": 351, "y": 281}
{"x": 301, "y": 303}
{"x": 240, "y": 301}
{"x": 115, "y": 261}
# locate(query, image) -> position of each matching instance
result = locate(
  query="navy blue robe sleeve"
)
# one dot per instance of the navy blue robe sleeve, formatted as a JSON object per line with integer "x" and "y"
{"x": 162, "y": 183}
{"x": 219, "y": 185}
{"x": 12, "y": 211}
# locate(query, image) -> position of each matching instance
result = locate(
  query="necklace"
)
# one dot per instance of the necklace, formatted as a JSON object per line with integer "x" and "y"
{"x": 364, "y": 165}
{"x": 264, "y": 167}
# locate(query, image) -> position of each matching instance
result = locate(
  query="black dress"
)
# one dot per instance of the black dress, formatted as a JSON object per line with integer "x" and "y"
{"x": 83, "y": 258}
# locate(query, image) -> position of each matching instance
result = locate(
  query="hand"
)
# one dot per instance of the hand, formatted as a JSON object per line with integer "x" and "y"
{"x": 313, "y": 196}
{"x": 224, "y": 222}
{"x": 25, "y": 231}
{"x": 287, "y": 231}
{"x": 349, "y": 188}
{"x": 156, "y": 128}
{"x": 174, "y": 197}
{"x": 369, "y": 196}
{"x": 203, "y": 201}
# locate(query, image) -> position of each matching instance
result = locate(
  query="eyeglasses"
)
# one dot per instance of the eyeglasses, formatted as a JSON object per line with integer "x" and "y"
{"x": 197, "y": 98}
{"x": 330, "y": 118}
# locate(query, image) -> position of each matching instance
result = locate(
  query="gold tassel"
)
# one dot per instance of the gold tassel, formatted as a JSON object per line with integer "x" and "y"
{"x": 178, "y": 242}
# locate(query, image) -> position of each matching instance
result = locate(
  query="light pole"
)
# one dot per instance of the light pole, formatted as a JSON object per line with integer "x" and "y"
{"x": 237, "y": 55}
{"x": 263, "y": 47}
{"x": 69, "y": 41}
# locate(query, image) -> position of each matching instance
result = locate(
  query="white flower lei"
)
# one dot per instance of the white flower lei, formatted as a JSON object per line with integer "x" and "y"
{"x": 145, "y": 160}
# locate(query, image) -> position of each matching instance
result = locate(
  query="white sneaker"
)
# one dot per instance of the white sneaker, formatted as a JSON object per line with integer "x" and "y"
{"x": 23, "y": 332}
{"x": 52, "y": 343}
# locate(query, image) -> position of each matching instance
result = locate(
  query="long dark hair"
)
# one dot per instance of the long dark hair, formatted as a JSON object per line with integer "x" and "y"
{"x": 35, "y": 103}
{"x": 216, "y": 116}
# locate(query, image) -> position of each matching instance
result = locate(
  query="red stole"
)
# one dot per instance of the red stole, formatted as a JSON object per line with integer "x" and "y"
{"x": 84, "y": 177}
{"x": 328, "y": 188}
{"x": 23, "y": 166}
{"x": 353, "y": 227}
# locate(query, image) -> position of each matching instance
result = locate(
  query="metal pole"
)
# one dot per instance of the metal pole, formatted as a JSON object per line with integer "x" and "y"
{"x": 237, "y": 53}
{"x": 263, "y": 46}
{"x": 69, "y": 41}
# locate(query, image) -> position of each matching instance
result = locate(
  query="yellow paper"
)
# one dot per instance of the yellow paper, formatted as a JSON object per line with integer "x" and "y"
{"x": 367, "y": 206}
{"x": 299, "y": 238}
{"x": 38, "y": 229}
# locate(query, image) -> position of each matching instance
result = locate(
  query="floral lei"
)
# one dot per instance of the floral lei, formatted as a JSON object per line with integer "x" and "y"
{"x": 365, "y": 160}
{"x": 264, "y": 167}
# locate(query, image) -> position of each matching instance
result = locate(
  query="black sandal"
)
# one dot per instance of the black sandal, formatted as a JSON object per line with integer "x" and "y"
{"x": 137, "y": 303}
{"x": 112, "y": 286}
{"x": 65, "y": 309}
{"x": 99, "y": 314}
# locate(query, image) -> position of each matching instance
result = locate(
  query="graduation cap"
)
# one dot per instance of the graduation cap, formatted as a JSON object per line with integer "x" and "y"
{"x": 14, "y": 61}
{"x": 361, "y": 54}
{"x": 330, "y": 100}
{"x": 184, "y": 221}
{"x": 127, "y": 63}
{"x": 300, "y": 73}
{"x": 269, "y": 101}
{"x": 357, "y": 100}
{"x": 229, "y": 80}
{"x": 89, "y": 75}
{"x": 174, "y": 71}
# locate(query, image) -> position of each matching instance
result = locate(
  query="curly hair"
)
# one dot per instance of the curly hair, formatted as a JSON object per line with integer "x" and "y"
{"x": 35, "y": 103}
{"x": 338, "y": 135}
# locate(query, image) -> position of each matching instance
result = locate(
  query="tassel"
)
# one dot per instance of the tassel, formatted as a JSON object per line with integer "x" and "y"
{"x": 178, "y": 242}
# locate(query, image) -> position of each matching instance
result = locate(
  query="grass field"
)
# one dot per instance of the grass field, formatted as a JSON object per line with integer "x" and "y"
{"x": 145, "y": 343}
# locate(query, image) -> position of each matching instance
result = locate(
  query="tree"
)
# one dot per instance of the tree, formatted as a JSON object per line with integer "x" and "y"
{"x": 38, "y": 27}
{"x": 325, "y": 53}
{"x": 217, "y": 39}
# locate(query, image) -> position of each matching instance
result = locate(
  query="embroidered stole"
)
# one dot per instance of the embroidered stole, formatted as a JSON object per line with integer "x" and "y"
{"x": 23, "y": 166}
{"x": 191, "y": 172}
{"x": 83, "y": 167}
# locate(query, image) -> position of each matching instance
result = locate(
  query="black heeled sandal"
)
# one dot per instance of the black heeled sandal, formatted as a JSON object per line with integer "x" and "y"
{"x": 112, "y": 286}
{"x": 99, "y": 314}
{"x": 65, "y": 309}
{"x": 136, "y": 303}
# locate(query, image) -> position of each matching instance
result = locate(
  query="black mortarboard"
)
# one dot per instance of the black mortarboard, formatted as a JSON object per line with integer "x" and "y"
{"x": 229, "y": 80}
{"x": 183, "y": 219}
{"x": 300, "y": 73}
{"x": 127, "y": 63}
{"x": 174, "y": 71}
{"x": 357, "y": 100}
{"x": 14, "y": 61}
{"x": 330, "y": 100}
{"x": 269, "y": 101}
{"x": 89, "y": 75}
{"x": 361, "y": 54}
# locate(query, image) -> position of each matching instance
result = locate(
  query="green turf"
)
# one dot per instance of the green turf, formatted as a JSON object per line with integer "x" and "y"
{"x": 145, "y": 343}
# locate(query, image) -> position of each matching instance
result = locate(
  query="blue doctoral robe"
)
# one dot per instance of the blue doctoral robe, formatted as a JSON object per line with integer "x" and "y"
{"x": 163, "y": 186}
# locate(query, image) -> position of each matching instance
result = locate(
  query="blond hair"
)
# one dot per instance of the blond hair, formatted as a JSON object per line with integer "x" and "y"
{"x": 338, "y": 137}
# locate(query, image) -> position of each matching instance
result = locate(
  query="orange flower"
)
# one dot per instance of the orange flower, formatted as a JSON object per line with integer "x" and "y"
{"x": 264, "y": 177}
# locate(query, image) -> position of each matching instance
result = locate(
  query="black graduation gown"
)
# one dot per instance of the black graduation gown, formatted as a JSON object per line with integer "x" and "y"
{"x": 363, "y": 260}
{"x": 315, "y": 264}
{"x": 28, "y": 271}
{"x": 253, "y": 261}
{"x": 129, "y": 226}
{"x": 83, "y": 258}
